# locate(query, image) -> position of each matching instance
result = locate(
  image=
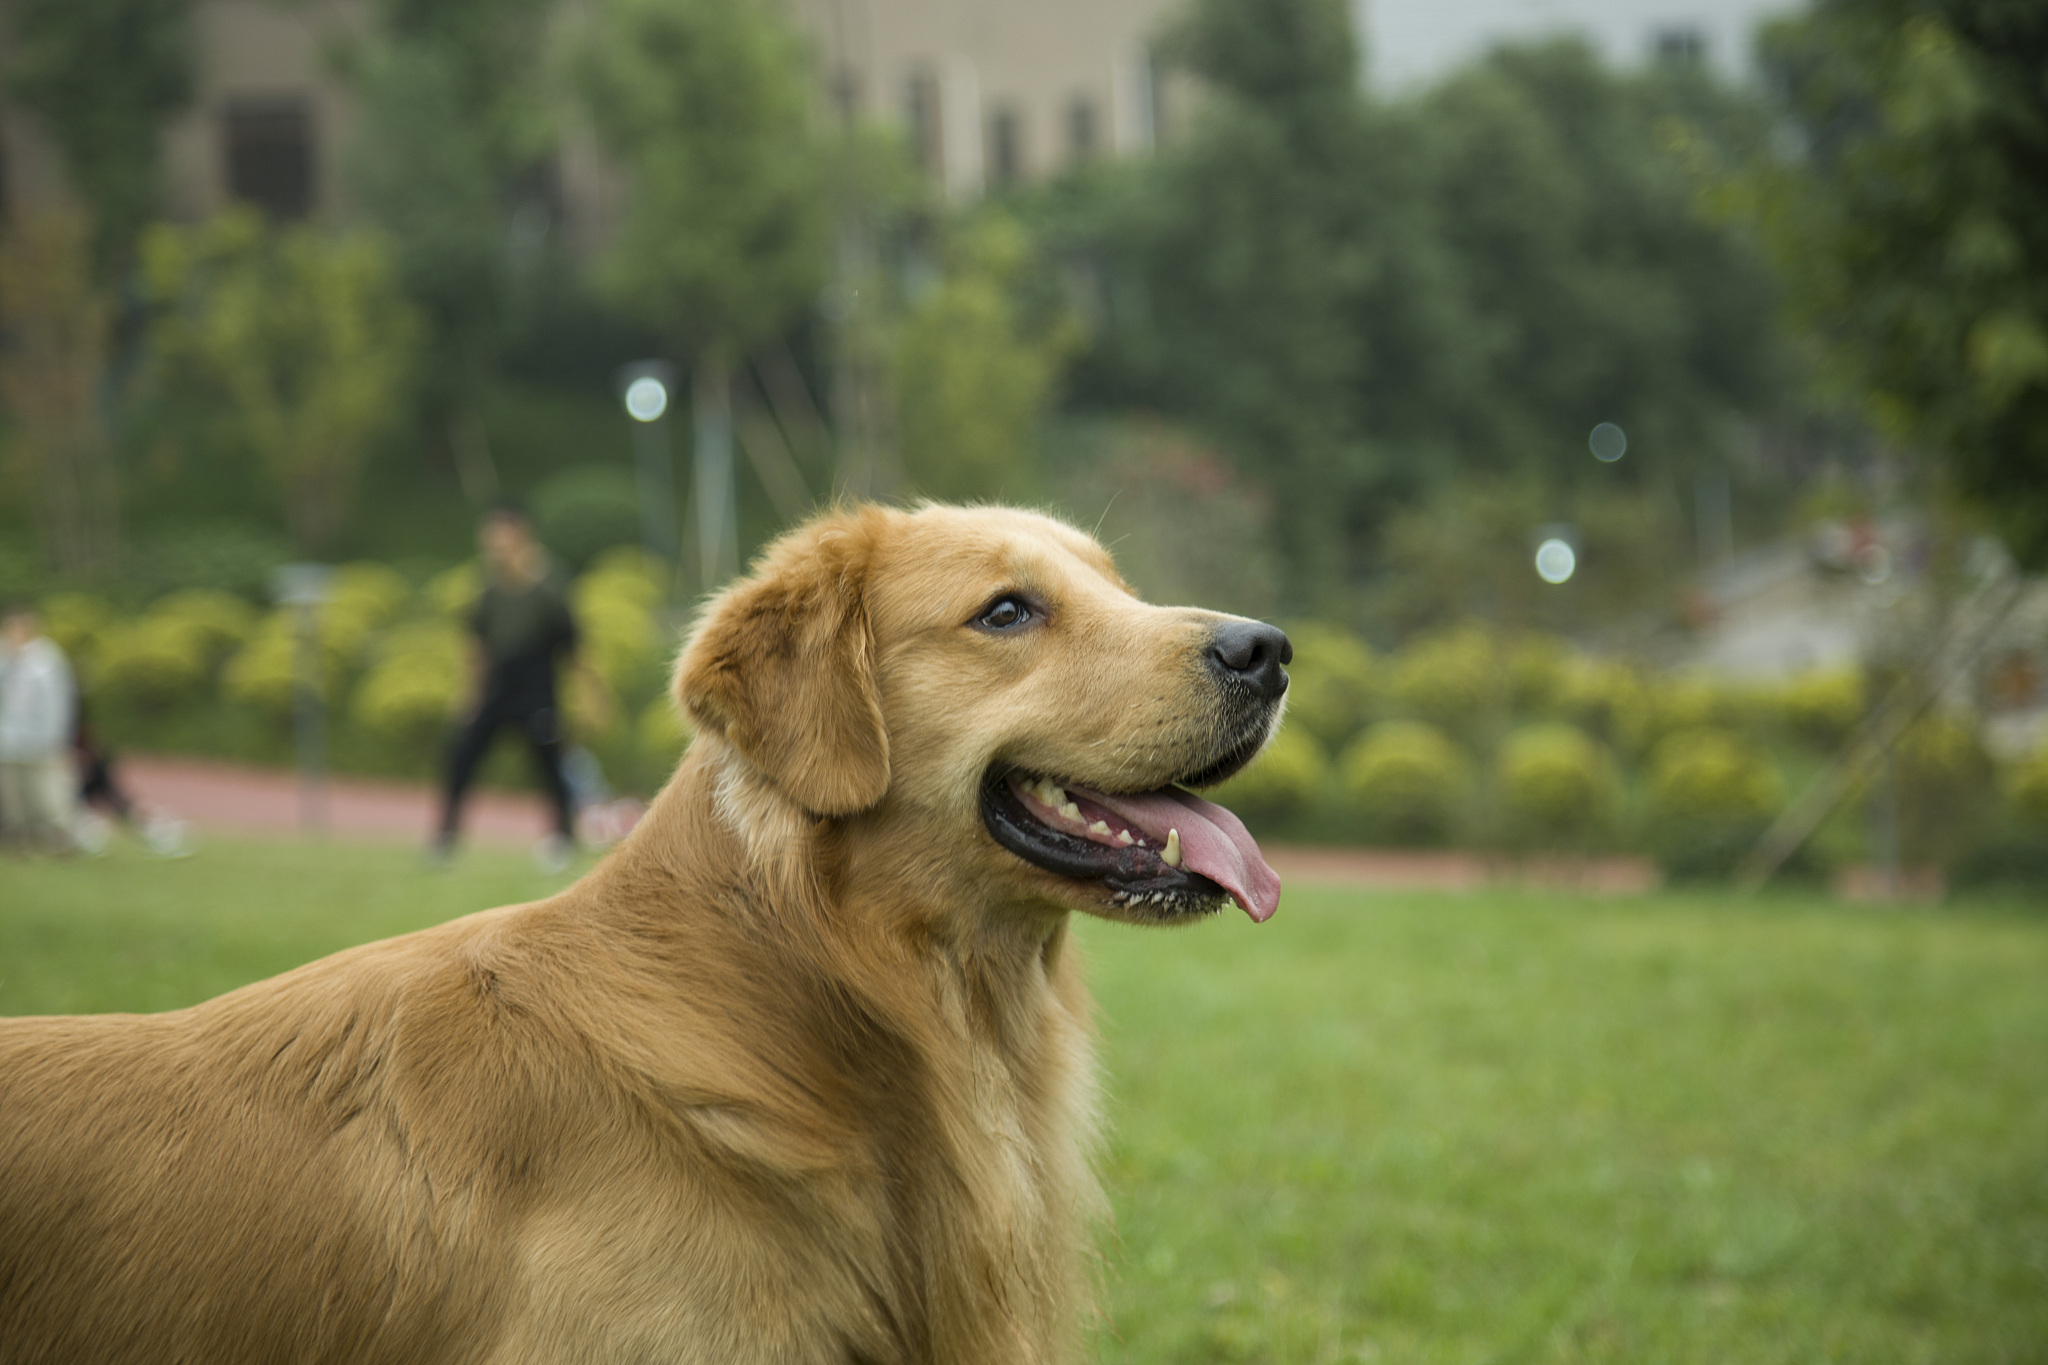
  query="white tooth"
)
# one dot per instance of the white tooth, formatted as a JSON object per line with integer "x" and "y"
{"x": 1099, "y": 827}
{"x": 1172, "y": 854}
{"x": 1071, "y": 811}
{"x": 1059, "y": 795}
{"x": 1123, "y": 836}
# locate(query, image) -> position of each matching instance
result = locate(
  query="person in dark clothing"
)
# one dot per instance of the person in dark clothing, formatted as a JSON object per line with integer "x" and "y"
{"x": 524, "y": 630}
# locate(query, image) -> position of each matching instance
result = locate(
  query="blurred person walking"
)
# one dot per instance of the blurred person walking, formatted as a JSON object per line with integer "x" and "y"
{"x": 524, "y": 630}
{"x": 38, "y": 707}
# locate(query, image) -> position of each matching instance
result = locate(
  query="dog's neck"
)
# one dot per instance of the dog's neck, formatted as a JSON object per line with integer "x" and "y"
{"x": 912, "y": 1002}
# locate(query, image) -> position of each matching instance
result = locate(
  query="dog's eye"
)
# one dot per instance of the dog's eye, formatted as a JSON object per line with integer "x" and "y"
{"x": 1005, "y": 613}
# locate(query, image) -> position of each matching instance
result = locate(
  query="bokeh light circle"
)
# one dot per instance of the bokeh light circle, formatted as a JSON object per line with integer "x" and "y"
{"x": 646, "y": 398}
{"x": 1555, "y": 561}
{"x": 1609, "y": 443}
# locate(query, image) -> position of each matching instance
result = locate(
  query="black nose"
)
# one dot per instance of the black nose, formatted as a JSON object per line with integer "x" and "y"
{"x": 1251, "y": 652}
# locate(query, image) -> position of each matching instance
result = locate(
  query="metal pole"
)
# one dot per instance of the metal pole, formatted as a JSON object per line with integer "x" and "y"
{"x": 657, "y": 488}
{"x": 711, "y": 451}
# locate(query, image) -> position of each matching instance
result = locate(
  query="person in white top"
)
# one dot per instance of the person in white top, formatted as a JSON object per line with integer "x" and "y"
{"x": 38, "y": 708}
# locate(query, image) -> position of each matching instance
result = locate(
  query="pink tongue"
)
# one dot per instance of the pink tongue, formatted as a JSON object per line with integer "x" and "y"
{"x": 1213, "y": 842}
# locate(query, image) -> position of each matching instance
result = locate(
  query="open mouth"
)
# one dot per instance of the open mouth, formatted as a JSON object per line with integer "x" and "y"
{"x": 1166, "y": 853}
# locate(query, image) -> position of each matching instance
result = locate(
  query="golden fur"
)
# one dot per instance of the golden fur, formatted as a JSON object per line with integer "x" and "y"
{"x": 800, "y": 1072}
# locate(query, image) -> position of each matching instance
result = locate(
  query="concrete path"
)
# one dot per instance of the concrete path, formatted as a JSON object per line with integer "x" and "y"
{"x": 230, "y": 798}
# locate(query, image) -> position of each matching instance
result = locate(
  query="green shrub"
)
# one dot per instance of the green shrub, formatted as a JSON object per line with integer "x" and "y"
{"x": 1945, "y": 790}
{"x": 1712, "y": 795}
{"x": 1286, "y": 778}
{"x": 1608, "y": 698}
{"x": 1452, "y": 678}
{"x": 646, "y": 576}
{"x": 414, "y": 685}
{"x": 151, "y": 661}
{"x": 222, "y": 619}
{"x": 1331, "y": 681}
{"x": 1537, "y": 670}
{"x": 580, "y": 510}
{"x": 1710, "y": 774}
{"x": 74, "y": 620}
{"x": 454, "y": 592}
{"x": 262, "y": 673}
{"x": 2026, "y": 786}
{"x": 620, "y": 633}
{"x": 1822, "y": 705}
{"x": 1406, "y": 779}
{"x": 1556, "y": 781}
{"x": 1694, "y": 701}
{"x": 361, "y": 600}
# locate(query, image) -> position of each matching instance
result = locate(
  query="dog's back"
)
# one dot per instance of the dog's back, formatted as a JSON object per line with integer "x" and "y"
{"x": 218, "y": 1183}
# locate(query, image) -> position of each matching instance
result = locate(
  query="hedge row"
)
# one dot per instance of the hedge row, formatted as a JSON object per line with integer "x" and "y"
{"x": 1465, "y": 736}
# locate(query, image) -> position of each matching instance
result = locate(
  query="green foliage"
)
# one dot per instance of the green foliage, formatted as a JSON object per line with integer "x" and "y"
{"x": 1911, "y": 234}
{"x": 1712, "y": 775}
{"x": 1407, "y": 779}
{"x": 361, "y": 600}
{"x": 1287, "y": 778}
{"x": 1332, "y": 683}
{"x": 151, "y": 661}
{"x": 585, "y": 508}
{"x": 1453, "y": 678}
{"x": 262, "y": 674}
{"x": 454, "y": 110}
{"x": 1822, "y": 705}
{"x": 454, "y": 592}
{"x": 1609, "y": 698}
{"x": 1366, "y": 303}
{"x": 222, "y": 620}
{"x": 411, "y": 691}
{"x": 1945, "y": 790}
{"x": 76, "y": 621}
{"x": 2026, "y": 785}
{"x": 1556, "y": 781}
{"x": 105, "y": 76}
{"x": 59, "y": 326}
{"x": 621, "y": 639}
{"x": 973, "y": 374}
{"x": 305, "y": 338}
{"x": 706, "y": 105}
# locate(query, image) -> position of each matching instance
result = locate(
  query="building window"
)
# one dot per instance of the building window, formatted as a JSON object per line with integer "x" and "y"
{"x": 270, "y": 155}
{"x": 1006, "y": 146}
{"x": 1083, "y": 131}
{"x": 1684, "y": 46}
{"x": 921, "y": 119}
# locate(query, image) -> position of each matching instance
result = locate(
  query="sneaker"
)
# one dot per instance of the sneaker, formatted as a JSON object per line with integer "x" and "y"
{"x": 166, "y": 837}
{"x": 551, "y": 855}
{"x": 439, "y": 852}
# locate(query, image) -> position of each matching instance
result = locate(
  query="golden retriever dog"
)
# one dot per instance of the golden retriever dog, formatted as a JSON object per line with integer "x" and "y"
{"x": 800, "y": 1072}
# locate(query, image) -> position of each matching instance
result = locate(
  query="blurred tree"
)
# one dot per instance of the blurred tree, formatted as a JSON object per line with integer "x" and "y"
{"x": 56, "y": 323}
{"x": 306, "y": 338}
{"x": 1598, "y": 287}
{"x": 1364, "y": 301}
{"x": 104, "y": 75}
{"x": 707, "y": 105}
{"x": 1238, "y": 257}
{"x": 1912, "y": 227}
{"x": 973, "y": 374}
{"x": 453, "y": 162}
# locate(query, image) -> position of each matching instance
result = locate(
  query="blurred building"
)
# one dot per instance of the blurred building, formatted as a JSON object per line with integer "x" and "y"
{"x": 1409, "y": 43}
{"x": 988, "y": 93}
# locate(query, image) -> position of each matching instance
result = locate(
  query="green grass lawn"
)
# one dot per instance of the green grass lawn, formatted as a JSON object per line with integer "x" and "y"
{"x": 1412, "y": 1127}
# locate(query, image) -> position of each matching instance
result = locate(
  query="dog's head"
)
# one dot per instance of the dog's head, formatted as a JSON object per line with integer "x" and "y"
{"x": 979, "y": 692}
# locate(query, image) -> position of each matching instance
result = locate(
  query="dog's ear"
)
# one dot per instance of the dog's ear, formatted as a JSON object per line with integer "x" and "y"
{"x": 782, "y": 665}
